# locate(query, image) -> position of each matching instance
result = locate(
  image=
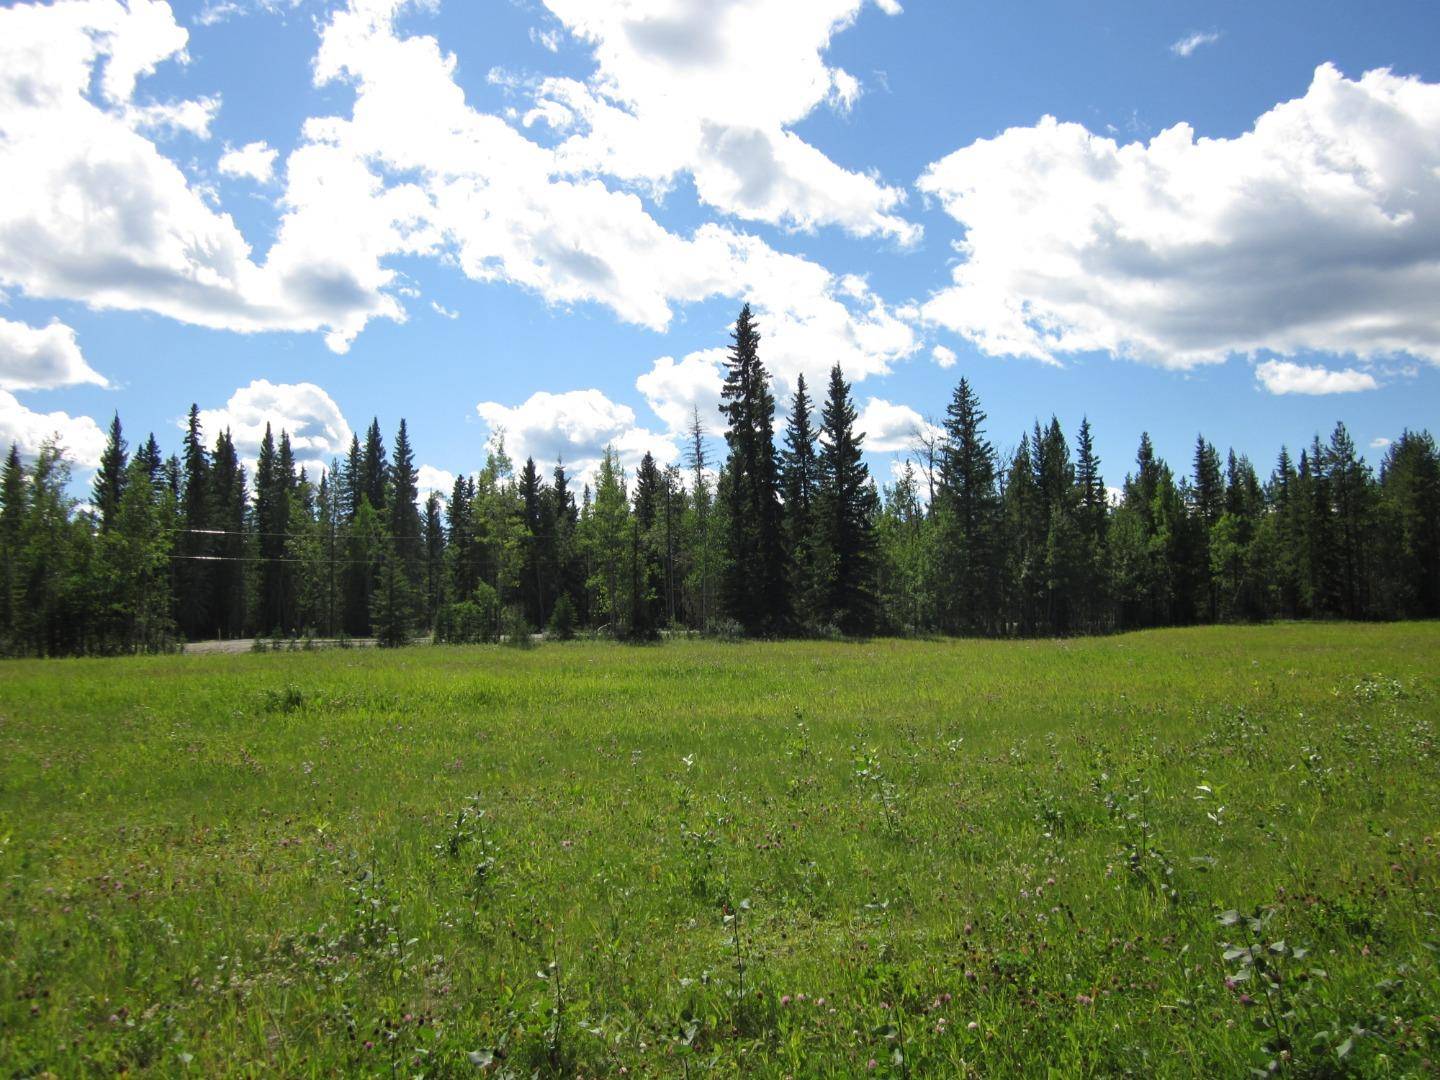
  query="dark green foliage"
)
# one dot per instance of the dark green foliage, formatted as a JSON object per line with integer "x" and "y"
{"x": 754, "y": 588}
{"x": 799, "y": 541}
{"x": 967, "y": 515}
{"x": 846, "y": 505}
{"x": 109, "y": 483}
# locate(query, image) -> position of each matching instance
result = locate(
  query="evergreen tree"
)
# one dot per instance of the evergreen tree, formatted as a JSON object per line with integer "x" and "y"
{"x": 12, "y": 523}
{"x": 1409, "y": 523}
{"x": 193, "y": 575}
{"x": 1352, "y": 494}
{"x": 109, "y": 483}
{"x": 533, "y": 560}
{"x": 606, "y": 540}
{"x": 799, "y": 479}
{"x": 704, "y": 557}
{"x": 405, "y": 526}
{"x": 433, "y": 530}
{"x": 1208, "y": 498}
{"x": 846, "y": 504}
{"x": 373, "y": 478}
{"x": 227, "y": 517}
{"x": 754, "y": 578}
{"x": 1092, "y": 519}
{"x": 967, "y": 515}
{"x": 647, "y": 599}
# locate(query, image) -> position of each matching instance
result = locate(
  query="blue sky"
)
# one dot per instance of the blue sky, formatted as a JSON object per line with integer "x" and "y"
{"x": 543, "y": 216}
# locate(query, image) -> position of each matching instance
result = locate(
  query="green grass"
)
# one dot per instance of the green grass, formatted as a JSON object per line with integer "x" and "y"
{"x": 987, "y": 858}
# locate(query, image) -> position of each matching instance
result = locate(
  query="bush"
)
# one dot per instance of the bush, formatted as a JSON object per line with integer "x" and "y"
{"x": 516, "y": 631}
{"x": 468, "y": 622}
{"x": 562, "y": 620}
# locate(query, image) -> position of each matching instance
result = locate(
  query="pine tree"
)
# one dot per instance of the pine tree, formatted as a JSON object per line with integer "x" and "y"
{"x": 647, "y": 599}
{"x": 846, "y": 505}
{"x": 12, "y": 522}
{"x": 754, "y": 578}
{"x": 1409, "y": 523}
{"x": 967, "y": 514}
{"x": 193, "y": 576}
{"x": 1093, "y": 511}
{"x": 533, "y": 560}
{"x": 227, "y": 517}
{"x": 373, "y": 479}
{"x": 704, "y": 559}
{"x": 433, "y": 530}
{"x": 1352, "y": 495}
{"x": 799, "y": 477}
{"x": 109, "y": 483}
{"x": 1208, "y": 499}
{"x": 404, "y": 511}
{"x": 608, "y": 533}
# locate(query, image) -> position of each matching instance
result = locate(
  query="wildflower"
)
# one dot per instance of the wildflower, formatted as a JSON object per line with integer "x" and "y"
{"x": 872, "y": 1064}
{"x": 972, "y": 1026}
{"x": 1084, "y": 999}
{"x": 784, "y": 999}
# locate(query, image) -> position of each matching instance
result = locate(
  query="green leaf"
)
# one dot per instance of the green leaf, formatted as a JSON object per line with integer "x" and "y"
{"x": 1345, "y": 1048}
{"x": 481, "y": 1059}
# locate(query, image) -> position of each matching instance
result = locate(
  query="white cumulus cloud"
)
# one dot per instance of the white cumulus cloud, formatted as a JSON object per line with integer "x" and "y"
{"x": 317, "y": 428}
{"x": 944, "y": 356}
{"x": 1284, "y": 377}
{"x": 80, "y": 436}
{"x": 675, "y": 390}
{"x": 684, "y": 86}
{"x": 432, "y": 479}
{"x": 255, "y": 160}
{"x": 574, "y": 426}
{"x": 39, "y": 358}
{"x": 889, "y": 427}
{"x": 1318, "y": 230}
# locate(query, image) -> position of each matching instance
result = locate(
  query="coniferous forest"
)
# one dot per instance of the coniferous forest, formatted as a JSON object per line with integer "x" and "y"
{"x": 787, "y": 534}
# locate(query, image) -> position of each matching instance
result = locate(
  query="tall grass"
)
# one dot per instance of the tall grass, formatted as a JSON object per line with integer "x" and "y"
{"x": 799, "y": 859}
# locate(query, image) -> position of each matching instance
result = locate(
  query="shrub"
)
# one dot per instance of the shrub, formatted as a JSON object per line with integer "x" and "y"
{"x": 469, "y": 622}
{"x": 562, "y": 620}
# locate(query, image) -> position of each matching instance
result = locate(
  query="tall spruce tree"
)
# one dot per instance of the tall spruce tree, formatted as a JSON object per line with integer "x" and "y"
{"x": 109, "y": 483}
{"x": 846, "y": 507}
{"x": 967, "y": 514}
{"x": 373, "y": 478}
{"x": 754, "y": 592}
{"x": 799, "y": 478}
{"x": 196, "y": 547}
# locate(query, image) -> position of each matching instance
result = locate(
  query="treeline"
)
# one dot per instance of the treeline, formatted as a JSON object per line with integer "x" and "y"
{"x": 792, "y": 537}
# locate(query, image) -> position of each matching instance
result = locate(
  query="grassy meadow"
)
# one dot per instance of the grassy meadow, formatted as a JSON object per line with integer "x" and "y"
{"x": 1176, "y": 853}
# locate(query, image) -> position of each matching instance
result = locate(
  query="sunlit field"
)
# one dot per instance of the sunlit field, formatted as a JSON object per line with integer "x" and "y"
{"x": 1188, "y": 852}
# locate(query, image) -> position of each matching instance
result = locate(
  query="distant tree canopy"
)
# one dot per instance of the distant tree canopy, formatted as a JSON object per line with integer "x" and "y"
{"x": 795, "y": 538}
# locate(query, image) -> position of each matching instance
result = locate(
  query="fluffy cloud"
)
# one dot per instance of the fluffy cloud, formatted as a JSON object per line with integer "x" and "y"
{"x": 944, "y": 356}
{"x": 38, "y": 359}
{"x": 1192, "y": 41}
{"x": 889, "y": 427}
{"x": 95, "y": 212}
{"x": 1318, "y": 230}
{"x": 574, "y": 426}
{"x": 675, "y": 391}
{"x": 505, "y": 209}
{"x": 317, "y": 428}
{"x": 1284, "y": 377}
{"x": 437, "y": 480}
{"x": 688, "y": 86}
{"x": 254, "y": 160}
{"x": 80, "y": 436}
